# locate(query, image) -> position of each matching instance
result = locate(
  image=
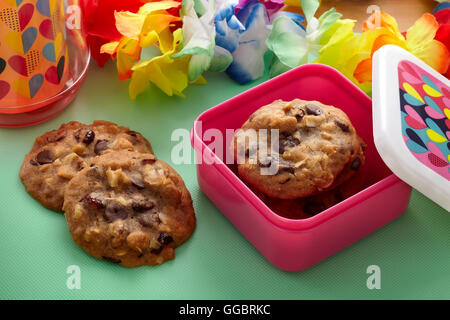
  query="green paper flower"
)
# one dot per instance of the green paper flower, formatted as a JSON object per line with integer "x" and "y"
{"x": 292, "y": 45}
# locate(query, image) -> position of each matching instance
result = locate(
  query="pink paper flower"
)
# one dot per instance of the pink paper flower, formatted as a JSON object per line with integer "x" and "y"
{"x": 272, "y": 6}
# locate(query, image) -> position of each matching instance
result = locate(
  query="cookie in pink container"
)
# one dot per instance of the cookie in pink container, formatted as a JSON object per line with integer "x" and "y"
{"x": 298, "y": 244}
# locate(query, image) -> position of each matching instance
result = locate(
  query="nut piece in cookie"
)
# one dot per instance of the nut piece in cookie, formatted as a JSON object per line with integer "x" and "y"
{"x": 129, "y": 208}
{"x": 308, "y": 144}
{"x": 58, "y": 155}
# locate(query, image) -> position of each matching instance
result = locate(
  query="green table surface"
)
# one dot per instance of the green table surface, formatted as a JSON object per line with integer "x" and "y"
{"x": 218, "y": 262}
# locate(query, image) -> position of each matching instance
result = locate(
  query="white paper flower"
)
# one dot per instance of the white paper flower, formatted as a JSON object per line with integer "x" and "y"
{"x": 198, "y": 36}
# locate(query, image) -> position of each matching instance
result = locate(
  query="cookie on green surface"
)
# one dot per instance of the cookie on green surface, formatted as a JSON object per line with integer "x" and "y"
{"x": 58, "y": 155}
{"x": 129, "y": 208}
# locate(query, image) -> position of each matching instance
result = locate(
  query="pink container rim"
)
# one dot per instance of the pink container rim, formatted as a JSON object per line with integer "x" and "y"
{"x": 258, "y": 204}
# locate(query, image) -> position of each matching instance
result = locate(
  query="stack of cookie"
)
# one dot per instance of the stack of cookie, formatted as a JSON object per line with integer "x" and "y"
{"x": 121, "y": 203}
{"x": 318, "y": 157}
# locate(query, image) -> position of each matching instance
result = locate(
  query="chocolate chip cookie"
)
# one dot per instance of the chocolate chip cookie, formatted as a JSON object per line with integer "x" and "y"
{"x": 303, "y": 208}
{"x": 129, "y": 208}
{"x": 59, "y": 154}
{"x": 316, "y": 144}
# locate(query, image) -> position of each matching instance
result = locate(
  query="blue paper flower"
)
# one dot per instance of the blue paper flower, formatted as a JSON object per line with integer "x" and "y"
{"x": 248, "y": 57}
{"x": 228, "y": 27}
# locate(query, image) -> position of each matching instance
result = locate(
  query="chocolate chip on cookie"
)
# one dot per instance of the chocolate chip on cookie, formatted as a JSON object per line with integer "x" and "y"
{"x": 164, "y": 238}
{"x": 44, "y": 157}
{"x": 142, "y": 205}
{"x": 148, "y": 161}
{"x": 344, "y": 127}
{"x": 136, "y": 180}
{"x": 148, "y": 219}
{"x": 100, "y": 146}
{"x": 288, "y": 143}
{"x": 312, "y": 109}
{"x": 115, "y": 211}
{"x": 355, "y": 164}
{"x": 299, "y": 115}
{"x": 89, "y": 137}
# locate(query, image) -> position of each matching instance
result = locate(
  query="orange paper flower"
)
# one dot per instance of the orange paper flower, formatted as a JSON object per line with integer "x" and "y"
{"x": 419, "y": 40}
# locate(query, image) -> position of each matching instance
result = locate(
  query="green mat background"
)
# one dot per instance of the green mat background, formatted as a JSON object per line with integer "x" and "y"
{"x": 413, "y": 252}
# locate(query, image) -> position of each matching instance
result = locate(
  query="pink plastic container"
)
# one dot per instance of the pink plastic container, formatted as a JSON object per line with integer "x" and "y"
{"x": 298, "y": 244}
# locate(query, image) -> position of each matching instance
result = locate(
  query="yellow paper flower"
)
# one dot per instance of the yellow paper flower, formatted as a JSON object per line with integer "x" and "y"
{"x": 344, "y": 50}
{"x": 150, "y": 25}
{"x": 151, "y": 16}
{"x": 170, "y": 75}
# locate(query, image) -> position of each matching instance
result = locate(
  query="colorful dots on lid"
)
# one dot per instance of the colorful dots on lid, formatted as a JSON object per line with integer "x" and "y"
{"x": 425, "y": 113}
{"x": 412, "y": 92}
{"x": 411, "y": 100}
{"x": 430, "y": 83}
{"x": 414, "y": 120}
{"x": 432, "y": 113}
{"x": 431, "y": 91}
{"x": 429, "y": 101}
{"x": 415, "y": 138}
{"x": 431, "y": 123}
{"x": 447, "y": 112}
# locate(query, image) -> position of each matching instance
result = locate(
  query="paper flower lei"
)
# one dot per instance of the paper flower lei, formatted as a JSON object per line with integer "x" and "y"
{"x": 187, "y": 39}
{"x": 332, "y": 41}
{"x": 172, "y": 43}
